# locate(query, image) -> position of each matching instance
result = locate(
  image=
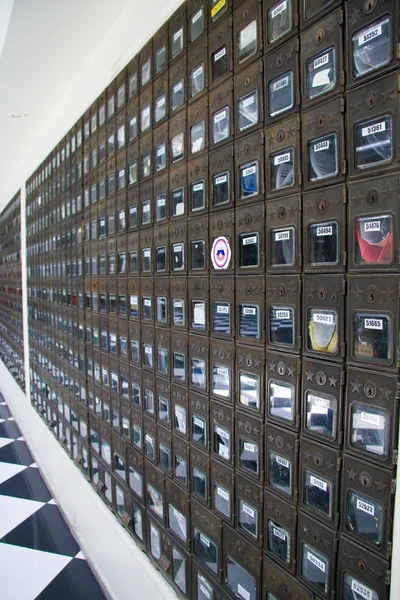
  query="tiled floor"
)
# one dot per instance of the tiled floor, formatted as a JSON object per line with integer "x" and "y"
{"x": 39, "y": 558}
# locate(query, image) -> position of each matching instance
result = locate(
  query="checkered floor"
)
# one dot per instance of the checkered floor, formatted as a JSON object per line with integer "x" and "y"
{"x": 39, "y": 558}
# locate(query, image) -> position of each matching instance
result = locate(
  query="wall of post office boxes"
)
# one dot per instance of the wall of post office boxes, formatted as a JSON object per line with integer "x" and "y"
{"x": 11, "y": 334}
{"x": 214, "y": 278}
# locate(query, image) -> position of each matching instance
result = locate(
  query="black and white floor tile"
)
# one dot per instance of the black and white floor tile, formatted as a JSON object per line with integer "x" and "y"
{"x": 39, "y": 557}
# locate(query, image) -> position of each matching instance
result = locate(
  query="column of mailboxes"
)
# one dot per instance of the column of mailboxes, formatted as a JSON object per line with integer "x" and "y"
{"x": 55, "y": 296}
{"x": 225, "y": 136}
{"x": 11, "y": 336}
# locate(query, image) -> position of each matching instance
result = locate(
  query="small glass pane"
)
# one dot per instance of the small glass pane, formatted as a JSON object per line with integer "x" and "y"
{"x": 222, "y": 500}
{"x": 178, "y": 94}
{"x": 181, "y": 473}
{"x": 145, "y": 119}
{"x": 315, "y": 568}
{"x": 162, "y": 315}
{"x": 369, "y": 429}
{"x": 372, "y": 47}
{"x": 373, "y": 142}
{"x": 279, "y": 541}
{"x": 221, "y": 125}
{"x": 197, "y": 195}
{"x": 279, "y": 20}
{"x": 249, "y": 250}
{"x": 197, "y": 24}
{"x": 248, "y": 518}
{"x": 249, "y": 321}
{"x": 282, "y": 169}
{"x": 322, "y": 331}
{"x": 205, "y": 550}
{"x": 313, "y": 7}
{"x": 354, "y": 589}
{"x": 198, "y": 258}
{"x": 283, "y": 247}
{"x": 198, "y": 137}
{"x": 146, "y": 212}
{"x": 282, "y": 325}
{"x": 221, "y": 188}
{"x": 161, "y": 207}
{"x": 163, "y": 409}
{"x": 199, "y": 430}
{"x": 249, "y": 455}
{"x": 219, "y": 63}
{"x": 321, "y": 73}
{"x": 155, "y": 541}
{"x": 146, "y": 72}
{"x": 161, "y": 58}
{"x": 248, "y": 180}
{"x": 318, "y": 493}
{"x": 249, "y": 390}
{"x": 323, "y": 158}
{"x": 179, "y": 569}
{"x": 247, "y": 41}
{"x": 373, "y": 337}
{"x": 177, "y": 42}
{"x": 199, "y": 483}
{"x": 180, "y": 419}
{"x": 221, "y": 381}
{"x": 374, "y": 240}
{"x": 161, "y": 157}
{"x": 204, "y": 589}
{"x": 198, "y": 373}
{"x": 161, "y": 259}
{"x": 222, "y": 442}
{"x": 178, "y": 147}
{"x": 281, "y": 94}
{"x": 178, "y": 311}
{"x": 323, "y": 246}
{"x": 197, "y": 80}
{"x": 365, "y": 518}
{"x": 177, "y": 522}
{"x": 240, "y": 581}
{"x": 178, "y": 257}
{"x": 280, "y": 473}
{"x": 248, "y": 111}
{"x": 321, "y": 415}
{"x": 222, "y": 318}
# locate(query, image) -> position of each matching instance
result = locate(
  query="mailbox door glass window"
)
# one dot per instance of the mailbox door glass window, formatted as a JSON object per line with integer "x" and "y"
{"x": 248, "y": 518}
{"x": 155, "y": 501}
{"x": 178, "y": 147}
{"x": 239, "y": 580}
{"x": 178, "y": 94}
{"x": 133, "y": 173}
{"x": 374, "y": 240}
{"x": 178, "y": 202}
{"x": 221, "y": 317}
{"x": 315, "y": 568}
{"x": 221, "y": 184}
{"x": 372, "y": 47}
{"x": 318, "y": 493}
{"x": 322, "y": 331}
{"x": 163, "y": 409}
{"x": 197, "y": 24}
{"x": 205, "y": 550}
{"x": 323, "y": 243}
{"x": 354, "y": 588}
{"x": 198, "y": 373}
{"x": 197, "y": 195}
{"x": 177, "y": 522}
{"x": 249, "y": 321}
{"x": 162, "y": 314}
{"x": 249, "y": 180}
{"x": 281, "y": 401}
{"x": 222, "y": 442}
{"x": 155, "y": 541}
{"x": 280, "y": 473}
{"x": 249, "y": 458}
{"x": 221, "y": 381}
{"x": 198, "y": 256}
{"x": 321, "y": 73}
{"x": 161, "y": 259}
{"x": 178, "y": 257}
{"x": 281, "y": 94}
{"x": 199, "y": 430}
{"x": 138, "y": 522}
{"x": 282, "y": 325}
{"x": 161, "y": 207}
{"x": 313, "y": 7}
{"x": 177, "y": 42}
{"x": 198, "y": 137}
{"x": 248, "y": 111}
{"x": 373, "y": 142}
{"x": 323, "y": 157}
{"x": 249, "y": 390}
{"x": 283, "y": 247}
{"x": 370, "y": 427}
{"x": 180, "y": 467}
{"x": 180, "y": 419}
{"x": 372, "y": 337}
{"x": 162, "y": 360}
{"x": 198, "y": 314}
{"x": 161, "y": 157}
{"x": 197, "y": 80}
{"x": 279, "y": 541}
{"x": 365, "y": 518}
{"x": 178, "y": 312}
{"x": 179, "y": 569}
{"x": 249, "y": 250}
{"x": 282, "y": 169}
{"x": 160, "y": 110}
{"x": 222, "y": 500}
{"x": 204, "y": 589}
{"x": 321, "y": 415}
{"x": 279, "y": 20}
{"x": 199, "y": 483}
{"x": 219, "y": 63}
{"x": 221, "y": 125}
{"x": 247, "y": 41}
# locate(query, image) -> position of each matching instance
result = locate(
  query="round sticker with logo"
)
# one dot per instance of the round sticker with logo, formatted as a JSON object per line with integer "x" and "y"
{"x": 221, "y": 253}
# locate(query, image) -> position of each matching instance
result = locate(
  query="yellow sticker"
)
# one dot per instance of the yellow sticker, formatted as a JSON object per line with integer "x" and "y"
{"x": 218, "y": 7}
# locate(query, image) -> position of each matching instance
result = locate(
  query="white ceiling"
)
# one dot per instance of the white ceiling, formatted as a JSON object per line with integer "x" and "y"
{"x": 45, "y": 46}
